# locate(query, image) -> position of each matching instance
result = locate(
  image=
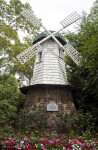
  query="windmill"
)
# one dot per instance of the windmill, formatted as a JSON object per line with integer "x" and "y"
{"x": 49, "y": 87}
{"x": 38, "y": 49}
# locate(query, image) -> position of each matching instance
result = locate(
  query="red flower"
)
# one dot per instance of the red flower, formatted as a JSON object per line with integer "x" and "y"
{"x": 53, "y": 144}
{"x": 58, "y": 135}
{"x": 63, "y": 144}
{"x": 87, "y": 148}
{"x": 75, "y": 126}
{"x": 58, "y": 143}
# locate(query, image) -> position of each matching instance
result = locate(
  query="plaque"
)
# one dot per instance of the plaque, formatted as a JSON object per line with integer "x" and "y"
{"x": 52, "y": 106}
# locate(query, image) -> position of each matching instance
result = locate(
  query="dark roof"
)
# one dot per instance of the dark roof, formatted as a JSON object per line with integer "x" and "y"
{"x": 44, "y": 34}
{"x": 25, "y": 89}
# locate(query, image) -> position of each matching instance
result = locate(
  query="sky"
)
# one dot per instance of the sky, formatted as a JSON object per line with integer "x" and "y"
{"x": 53, "y": 11}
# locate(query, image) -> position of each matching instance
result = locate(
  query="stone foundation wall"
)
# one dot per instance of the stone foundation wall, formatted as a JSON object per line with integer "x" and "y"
{"x": 39, "y": 97}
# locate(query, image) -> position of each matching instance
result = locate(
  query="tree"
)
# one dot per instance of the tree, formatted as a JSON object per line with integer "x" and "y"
{"x": 25, "y": 71}
{"x": 10, "y": 16}
{"x": 12, "y": 22}
{"x": 11, "y": 100}
{"x": 84, "y": 78}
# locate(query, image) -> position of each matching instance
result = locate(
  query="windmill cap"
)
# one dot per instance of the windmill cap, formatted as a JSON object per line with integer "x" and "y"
{"x": 44, "y": 34}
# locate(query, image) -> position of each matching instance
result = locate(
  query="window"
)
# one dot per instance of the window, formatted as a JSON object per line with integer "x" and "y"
{"x": 40, "y": 56}
{"x": 60, "y": 53}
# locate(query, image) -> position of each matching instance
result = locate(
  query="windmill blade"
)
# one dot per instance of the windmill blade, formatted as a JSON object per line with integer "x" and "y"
{"x": 28, "y": 54}
{"x": 31, "y": 18}
{"x": 72, "y": 53}
{"x": 66, "y": 22}
{"x": 70, "y": 19}
{"x": 36, "y": 23}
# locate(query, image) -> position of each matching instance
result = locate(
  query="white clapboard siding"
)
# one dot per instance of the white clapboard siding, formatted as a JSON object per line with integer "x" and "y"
{"x": 51, "y": 68}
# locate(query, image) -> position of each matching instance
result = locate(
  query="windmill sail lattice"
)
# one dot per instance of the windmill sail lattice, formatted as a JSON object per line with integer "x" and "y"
{"x": 71, "y": 52}
{"x": 24, "y": 56}
{"x": 31, "y": 18}
{"x": 51, "y": 69}
{"x": 70, "y": 19}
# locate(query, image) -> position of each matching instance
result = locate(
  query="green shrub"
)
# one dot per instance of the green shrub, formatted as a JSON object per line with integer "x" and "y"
{"x": 78, "y": 122}
{"x": 40, "y": 118}
{"x": 32, "y": 120}
{"x": 11, "y": 100}
{"x": 82, "y": 121}
{"x": 24, "y": 119}
{"x": 7, "y": 129}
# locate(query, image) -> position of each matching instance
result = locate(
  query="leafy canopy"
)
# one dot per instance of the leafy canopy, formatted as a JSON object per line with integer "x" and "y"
{"x": 11, "y": 100}
{"x": 11, "y": 23}
{"x": 84, "y": 78}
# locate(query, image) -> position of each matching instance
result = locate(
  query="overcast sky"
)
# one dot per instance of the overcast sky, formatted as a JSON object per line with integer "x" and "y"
{"x": 53, "y": 11}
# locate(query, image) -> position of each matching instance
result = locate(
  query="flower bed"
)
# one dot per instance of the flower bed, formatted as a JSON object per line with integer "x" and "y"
{"x": 52, "y": 142}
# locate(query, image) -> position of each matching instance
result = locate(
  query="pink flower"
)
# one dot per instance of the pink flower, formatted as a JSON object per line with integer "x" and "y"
{"x": 75, "y": 126}
{"x": 25, "y": 138}
{"x": 43, "y": 148}
{"x": 57, "y": 140}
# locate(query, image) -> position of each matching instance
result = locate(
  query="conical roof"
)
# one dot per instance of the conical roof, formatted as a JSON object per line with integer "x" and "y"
{"x": 44, "y": 34}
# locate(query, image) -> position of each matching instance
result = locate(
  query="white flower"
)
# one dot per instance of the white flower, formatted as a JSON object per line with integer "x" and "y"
{"x": 21, "y": 142}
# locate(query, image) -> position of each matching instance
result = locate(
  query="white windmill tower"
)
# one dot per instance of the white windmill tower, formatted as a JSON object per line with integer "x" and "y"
{"x": 49, "y": 85}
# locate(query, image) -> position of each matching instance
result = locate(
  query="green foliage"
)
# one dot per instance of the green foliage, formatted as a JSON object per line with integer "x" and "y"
{"x": 32, "y": 120}
{"x": 82, "y": 121}
{"x": 24, "y": 71}
{"x": 7, "y": 129}
{"x": 11, "y": 16}
{"x": 84, "y": 78}
{"x": 11, "y": 100}
{"x": 40, "y": 118}
{"x": 78, "y": 123}
{"x": 11, "y": 24}
{"x": 24, "y": 119}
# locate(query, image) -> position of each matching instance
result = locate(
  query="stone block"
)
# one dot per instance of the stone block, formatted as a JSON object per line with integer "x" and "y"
{"x": 38, "y": 97}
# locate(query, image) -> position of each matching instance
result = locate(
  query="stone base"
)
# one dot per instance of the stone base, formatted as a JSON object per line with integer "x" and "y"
{"x": 40, "y": 95}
